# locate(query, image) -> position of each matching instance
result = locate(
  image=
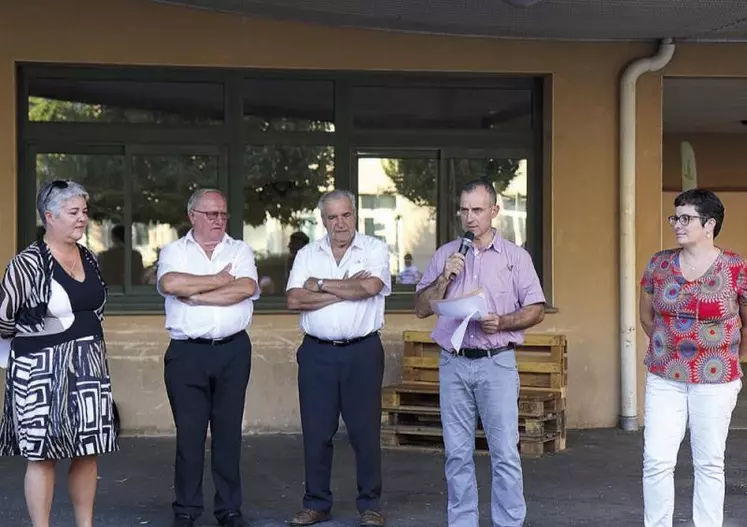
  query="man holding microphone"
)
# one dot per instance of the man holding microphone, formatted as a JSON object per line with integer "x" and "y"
{"x": 482, "y": 378}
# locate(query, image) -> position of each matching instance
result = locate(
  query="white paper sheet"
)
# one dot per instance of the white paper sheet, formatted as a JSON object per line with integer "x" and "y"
{"x": 4, "y": 352}
{"x": 464, "y": 308}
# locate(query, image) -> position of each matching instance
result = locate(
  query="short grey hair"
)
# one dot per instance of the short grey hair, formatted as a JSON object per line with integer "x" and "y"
{"x": 198, "y": 194}
{"x": 334, "y": 195}
{"x": 52, "y": 195}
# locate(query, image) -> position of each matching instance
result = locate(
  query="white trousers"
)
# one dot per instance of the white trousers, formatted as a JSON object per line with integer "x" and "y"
{"x": 669, "y": 406}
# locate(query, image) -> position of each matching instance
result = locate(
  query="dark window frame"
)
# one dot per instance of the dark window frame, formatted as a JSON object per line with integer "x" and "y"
{"x": 233, "y": 135}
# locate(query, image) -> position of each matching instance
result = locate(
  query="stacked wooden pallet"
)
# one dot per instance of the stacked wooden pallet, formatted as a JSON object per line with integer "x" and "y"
{"x": 411, "y": 414}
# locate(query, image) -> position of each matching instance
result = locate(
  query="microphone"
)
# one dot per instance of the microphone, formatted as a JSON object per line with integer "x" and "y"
{"x": 467, "y": 238}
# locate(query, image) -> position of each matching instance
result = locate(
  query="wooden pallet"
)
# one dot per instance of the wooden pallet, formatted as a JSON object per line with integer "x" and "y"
{"x": 411, "y": 416}
{"x": 542, "y": 361}
{"x": 539, "y": 404}
{"x": 421, "y": 417}
{"x": 425, "y": 394}
{"x": 431, "y": 438}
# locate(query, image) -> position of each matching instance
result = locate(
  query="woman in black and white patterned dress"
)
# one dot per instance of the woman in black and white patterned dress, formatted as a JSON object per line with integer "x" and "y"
{"x": 58, "y": 397}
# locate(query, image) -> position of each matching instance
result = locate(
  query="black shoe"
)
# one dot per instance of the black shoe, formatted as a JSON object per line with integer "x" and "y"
{"x": 233, "y": 519}
{"x": 183, "y": 520}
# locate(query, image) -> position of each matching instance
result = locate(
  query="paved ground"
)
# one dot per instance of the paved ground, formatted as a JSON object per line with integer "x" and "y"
{"x": 596, "y": 482}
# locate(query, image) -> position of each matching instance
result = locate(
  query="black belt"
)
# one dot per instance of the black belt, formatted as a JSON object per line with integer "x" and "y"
{"x": 215, "y": 342}
{"x": 479, "y": 353}
{"x": 347, "y": 342}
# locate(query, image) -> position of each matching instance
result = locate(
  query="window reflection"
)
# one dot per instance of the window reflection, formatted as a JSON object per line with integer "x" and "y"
{"x": 161, "y": 187}
{"x": 441, "y": 108}
{"x": 289, "y": 105}
{"x": 112, "y": 260}
{"x": 391, "y": 190}
{"x": 282, "y": 188}
{"x": 104, "y": 101}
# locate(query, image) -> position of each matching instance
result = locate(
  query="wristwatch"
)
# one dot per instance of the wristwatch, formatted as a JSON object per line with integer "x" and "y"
{"x": 320, "y": 283}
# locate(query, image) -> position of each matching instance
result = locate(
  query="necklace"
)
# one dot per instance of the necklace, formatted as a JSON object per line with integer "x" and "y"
{"x": 687, "y": 264}
{"x": 68, "y": 268}
{"x": 693, "y": 266}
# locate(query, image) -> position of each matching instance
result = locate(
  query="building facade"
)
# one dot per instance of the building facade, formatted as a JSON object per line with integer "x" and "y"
{"x": 142, "y": 101}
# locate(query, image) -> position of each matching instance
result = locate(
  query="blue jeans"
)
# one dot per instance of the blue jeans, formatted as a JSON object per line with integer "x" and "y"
{"x": 487, "y": 387}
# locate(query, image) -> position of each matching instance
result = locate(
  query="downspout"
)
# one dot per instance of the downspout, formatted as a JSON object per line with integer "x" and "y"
{"x": 628, "y": 278}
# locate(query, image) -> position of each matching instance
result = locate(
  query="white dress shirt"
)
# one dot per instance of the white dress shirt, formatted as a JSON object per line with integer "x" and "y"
{"x": 350, "y": 318}
{"x": 210, "y": 322}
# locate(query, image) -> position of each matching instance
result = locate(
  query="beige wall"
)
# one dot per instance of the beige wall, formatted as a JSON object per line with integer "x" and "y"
{"x": 584, "y": 196}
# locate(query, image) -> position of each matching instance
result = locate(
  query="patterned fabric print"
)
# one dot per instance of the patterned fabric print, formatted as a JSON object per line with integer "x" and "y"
{"x": 58, "y": 403}
{"x": 696, "y": 335}
{"x": 26, "y": 287}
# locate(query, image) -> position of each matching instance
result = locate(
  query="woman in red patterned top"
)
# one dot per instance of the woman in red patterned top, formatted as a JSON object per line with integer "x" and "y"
{"x": 693, "y": 307}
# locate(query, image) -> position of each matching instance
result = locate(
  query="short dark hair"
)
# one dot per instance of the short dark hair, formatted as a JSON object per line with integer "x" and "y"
{"x": 298, "y": 235}
{"x": 118, "y": 232}
{"x": 481, "y": 183}
{"x": 706, "y": 204}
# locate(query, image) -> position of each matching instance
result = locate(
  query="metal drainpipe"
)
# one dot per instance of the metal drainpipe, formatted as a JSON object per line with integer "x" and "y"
{"x": 628, "y": 278}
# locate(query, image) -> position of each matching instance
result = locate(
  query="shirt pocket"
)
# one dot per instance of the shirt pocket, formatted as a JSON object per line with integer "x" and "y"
{"x": 503, "y": 290}
{"x": 356, "y": 265}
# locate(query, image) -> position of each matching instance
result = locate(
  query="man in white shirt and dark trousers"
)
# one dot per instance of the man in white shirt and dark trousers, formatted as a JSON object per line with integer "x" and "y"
{"x": 209, "y": 281}
{"x": 339, "y": 284}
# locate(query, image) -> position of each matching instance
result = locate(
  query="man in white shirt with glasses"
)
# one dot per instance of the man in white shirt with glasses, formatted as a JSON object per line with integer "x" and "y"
{"x": 209, "y": 282}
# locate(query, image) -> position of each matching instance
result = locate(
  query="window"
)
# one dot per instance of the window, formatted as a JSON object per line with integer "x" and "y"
{"x": 124, "y": 101}
{"x": 397, "y": 203}
{"x": 441, "y": 108}
{"x": 142, "y": 139}
{"x": 282, "y": 188}
{"x": 161, "y": 184}
{"x": 289, "y": 105}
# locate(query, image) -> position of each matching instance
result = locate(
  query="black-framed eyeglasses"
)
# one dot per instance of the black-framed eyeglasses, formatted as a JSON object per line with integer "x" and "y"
{"x": 213, "y": 215}
{"x": 683, "y": 220}
{"x": 58, "y": 184}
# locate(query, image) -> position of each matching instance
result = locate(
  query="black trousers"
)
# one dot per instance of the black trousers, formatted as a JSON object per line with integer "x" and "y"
{"x": 206, "y": 384}
{"x": 334, "y": 380}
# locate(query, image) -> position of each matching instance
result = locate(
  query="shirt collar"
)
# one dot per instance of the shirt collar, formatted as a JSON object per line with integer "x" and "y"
{"x": 357, "y": 242}
{"x": 497, "y": 243}
{"x": 189, "y": 237}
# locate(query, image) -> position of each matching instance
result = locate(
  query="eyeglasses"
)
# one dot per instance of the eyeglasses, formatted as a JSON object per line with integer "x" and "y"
{"x": 683, "y": 220}
{"x": 213, "y": 215}
{"x": 58, "y": 184}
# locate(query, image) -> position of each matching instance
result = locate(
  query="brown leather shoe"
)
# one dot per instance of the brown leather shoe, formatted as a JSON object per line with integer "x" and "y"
{"x": 372, "y": 518}
{"x": 309, "y": 517}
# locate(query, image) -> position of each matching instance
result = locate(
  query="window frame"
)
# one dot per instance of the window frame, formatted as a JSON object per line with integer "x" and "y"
{"x": 233, "y": 135}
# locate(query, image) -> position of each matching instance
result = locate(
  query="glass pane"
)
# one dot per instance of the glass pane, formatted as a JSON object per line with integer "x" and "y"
{"x": 282, "y": 188}
{"x": 509, "y": 178}
{"x": 119, "y": 101}
{"x": 289, "y": 105}
{"x": 441, "y": 108}
{"x": 161, "y": 186}
{"x": 103, "y": 178}
{"x": 391, "y": 190}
